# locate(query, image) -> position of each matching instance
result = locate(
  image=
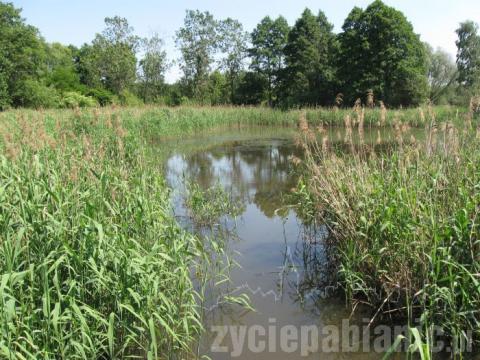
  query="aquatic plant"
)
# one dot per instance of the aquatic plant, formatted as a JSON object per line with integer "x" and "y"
{"x": 405, "y": 224}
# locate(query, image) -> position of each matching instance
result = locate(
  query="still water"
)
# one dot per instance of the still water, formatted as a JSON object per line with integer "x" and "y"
{"x": 281, "y": 260}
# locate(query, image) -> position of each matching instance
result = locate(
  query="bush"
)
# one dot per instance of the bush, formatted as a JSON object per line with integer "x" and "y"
{"x": 103, "y": 97}
{"x": 36, "y": 95}
{"x": 127, "y": 98}
{"x": 73, "y": 99}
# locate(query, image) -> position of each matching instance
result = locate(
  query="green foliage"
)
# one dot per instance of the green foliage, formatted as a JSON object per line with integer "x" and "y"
{"x": 269, "y": 39}
{"x": 127, "y": 98}
{"x": 21, "y": 56}
{"x": 309, "y": 74}
{"x": 92, "y": 263}
{"x": 36, "y": 95}
{"x": 379, "y": 51}
{"x": 102, "y": 96}
{"x": 114, "y": 51}
{"x": 442, "y": 74}
{"x": 207, "y": 206}
{"x": 60, "y": 68}
{"x": 468, "y": 56}
{"x": 197, "y": 41}
{"x": 252, "y": 89}
{"x": 233, "y": 43}
{"x": 73, "y": 100}
{"x": 153, "y": 67}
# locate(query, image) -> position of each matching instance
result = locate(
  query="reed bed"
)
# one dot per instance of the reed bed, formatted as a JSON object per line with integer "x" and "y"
{"x": 404, "y": 223}
{"x": 173, "y": 122}
{"x": 92, "y": 263}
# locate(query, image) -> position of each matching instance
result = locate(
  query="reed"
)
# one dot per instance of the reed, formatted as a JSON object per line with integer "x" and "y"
{"x": 404, "y": 224}
{"x": 92, "y": 263}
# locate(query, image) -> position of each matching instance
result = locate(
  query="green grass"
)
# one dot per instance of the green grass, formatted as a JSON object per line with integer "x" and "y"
{"x": 405, "y": 226}
{"x": 92, "y": 263}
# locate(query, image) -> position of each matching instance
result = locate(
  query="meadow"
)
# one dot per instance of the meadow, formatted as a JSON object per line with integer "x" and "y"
{"x": 94, "y": 265}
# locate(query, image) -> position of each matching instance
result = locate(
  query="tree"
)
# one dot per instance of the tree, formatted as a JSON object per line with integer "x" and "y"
{"x": 379, "y": 51}
{"x": 442, "y": 73}
{"x": 21, "y": 56}
{"x": 197, "y": 41}
{"x": 309, "y": 72}
{"x": 152, "y": 68}
{"x": 269, "y": 39}
{"x": 468, "y": 55}
{"x": 60, "y": 68}
{"x": 233, "y": 44}
{"x": 252, "y": 89}
{"x": 115, "y": 54}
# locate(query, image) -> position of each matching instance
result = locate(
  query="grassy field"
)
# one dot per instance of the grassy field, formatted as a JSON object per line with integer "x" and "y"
{"x": 404, "y": 223}
{"x": 93, "y": 265}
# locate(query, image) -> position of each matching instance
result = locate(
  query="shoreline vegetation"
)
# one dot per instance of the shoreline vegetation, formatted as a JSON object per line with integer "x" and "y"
{"x": 93, "y": 262}
{"x": 164, "y": 121}
{"x": 404, "y": 224}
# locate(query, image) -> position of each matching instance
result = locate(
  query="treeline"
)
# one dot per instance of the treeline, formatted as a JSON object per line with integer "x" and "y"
{"x": 376, "y": 56}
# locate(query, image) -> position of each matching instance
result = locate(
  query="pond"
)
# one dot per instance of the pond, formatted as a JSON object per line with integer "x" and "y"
{"x": 281, "y": 260}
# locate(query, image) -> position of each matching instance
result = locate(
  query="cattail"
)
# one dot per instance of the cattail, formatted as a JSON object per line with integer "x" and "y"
{"x": 422, "y": 115}
{"x": 325, "y": 144}
{"x": 302, "y": 122}
{"x": 383, "y": 114}
{"x": 370, "y": 99}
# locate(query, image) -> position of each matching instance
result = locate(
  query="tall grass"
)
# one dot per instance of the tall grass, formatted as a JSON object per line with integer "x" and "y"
{"x": 404, "y": 223}
{"x": 181, "y": 121}
{"x": 92, "y": 264}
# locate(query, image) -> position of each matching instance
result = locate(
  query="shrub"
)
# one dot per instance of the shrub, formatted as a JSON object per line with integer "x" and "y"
{"x": 128, "y": 98}
{"x": 73, "y": 99}
{"x": 103, "y": 96}
{"x": 36, "y": 95}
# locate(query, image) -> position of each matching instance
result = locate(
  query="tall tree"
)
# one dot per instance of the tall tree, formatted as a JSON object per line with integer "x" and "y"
{"x": 152, "y": 68}
{"x": 114, "y": 54}
{"x": 269, "y": 39}
{"x": 198, "y": 42}
{"x": 468, "y": 55}
{"x": 309, "y": 72}
{"x": 379, "y": 51}
{"x": 233, "y": 44}
{"x": 442, "y": 73}
{"x": 21, "y": 56}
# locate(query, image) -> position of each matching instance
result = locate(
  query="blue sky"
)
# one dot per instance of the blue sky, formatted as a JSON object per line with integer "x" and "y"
{"x": 76, "y": 22}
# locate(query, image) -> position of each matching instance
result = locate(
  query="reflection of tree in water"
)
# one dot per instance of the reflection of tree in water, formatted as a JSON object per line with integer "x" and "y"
{"x": 313, "y": 261}
{"x": 254, "y": 172}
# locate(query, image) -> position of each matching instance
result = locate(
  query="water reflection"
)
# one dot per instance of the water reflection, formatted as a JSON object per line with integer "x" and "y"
{"x": 284, "y": 264}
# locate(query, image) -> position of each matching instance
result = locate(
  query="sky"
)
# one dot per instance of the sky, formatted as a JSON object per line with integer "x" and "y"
{"x": 77, "y": 22}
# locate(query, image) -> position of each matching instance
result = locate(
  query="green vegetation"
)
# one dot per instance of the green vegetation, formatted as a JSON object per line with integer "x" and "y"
{"x": 377, "y": 57}
{"x": 93, "y": 265}
{"x": 404, "y": 224}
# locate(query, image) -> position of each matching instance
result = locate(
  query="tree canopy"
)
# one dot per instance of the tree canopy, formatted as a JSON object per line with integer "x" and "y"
{"x": 376, "y": 52}
{"x": 379, "y": 51}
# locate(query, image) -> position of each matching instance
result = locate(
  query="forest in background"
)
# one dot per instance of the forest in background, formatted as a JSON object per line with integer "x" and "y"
{"x": 376, "y": 57}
